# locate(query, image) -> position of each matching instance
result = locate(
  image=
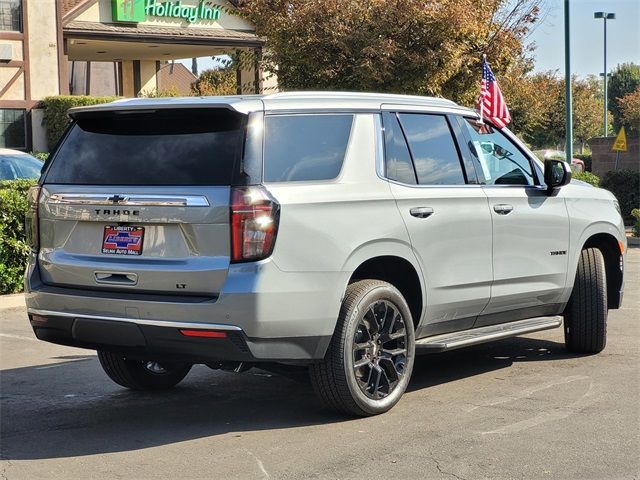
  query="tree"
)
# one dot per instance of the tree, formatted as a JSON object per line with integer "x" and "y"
{"x": 533, "y": 101}
{"x": 630, "y": 110}
{"x": 588, "y": 105}
{"x": 624, "y": 79}
{"x": 537, "y": 104}
{"x": 216, "y": 81}
{"x": 430, "y": 47}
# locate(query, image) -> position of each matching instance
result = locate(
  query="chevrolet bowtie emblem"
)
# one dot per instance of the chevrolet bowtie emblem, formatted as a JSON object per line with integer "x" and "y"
{"x": 117, "y": 198}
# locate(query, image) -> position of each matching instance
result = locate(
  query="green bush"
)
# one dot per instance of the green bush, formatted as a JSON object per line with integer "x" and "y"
{"x": 587, "y": 177}
{"x": 55, "y": 113}
{"x": 635, "y": 213}
{"x": 625, "y": 185}
{"x": 40, "y": 155}
{"x": 13, "y": 245}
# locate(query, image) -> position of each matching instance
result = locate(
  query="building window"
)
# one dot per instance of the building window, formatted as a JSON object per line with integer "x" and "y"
{"x": 13, "y": 129}
{"x": 11, "y": 15}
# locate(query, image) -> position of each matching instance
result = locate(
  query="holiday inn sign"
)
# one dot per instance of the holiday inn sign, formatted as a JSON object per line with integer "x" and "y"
{"x": 139, "y": 10}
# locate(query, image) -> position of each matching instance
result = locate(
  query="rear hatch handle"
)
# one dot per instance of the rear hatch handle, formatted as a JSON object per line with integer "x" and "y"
{"x": 116, "y": 278}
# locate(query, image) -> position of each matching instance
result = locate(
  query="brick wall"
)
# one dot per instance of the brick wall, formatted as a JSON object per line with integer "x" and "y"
{"x": 603, "y": 159}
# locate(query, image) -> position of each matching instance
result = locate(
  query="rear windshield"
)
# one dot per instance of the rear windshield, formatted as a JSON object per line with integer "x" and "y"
{"x": 170, "y": 147}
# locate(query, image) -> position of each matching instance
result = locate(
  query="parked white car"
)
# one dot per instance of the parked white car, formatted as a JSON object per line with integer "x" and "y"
{"x": 16, "y": 165}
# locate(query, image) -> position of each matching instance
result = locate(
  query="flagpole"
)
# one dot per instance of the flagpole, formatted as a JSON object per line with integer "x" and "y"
{"x": 484, "y": 60}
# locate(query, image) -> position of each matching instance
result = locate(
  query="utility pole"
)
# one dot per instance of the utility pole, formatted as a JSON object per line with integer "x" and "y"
{"x": 567, "y": 85}
{"x": 605, "y": 16}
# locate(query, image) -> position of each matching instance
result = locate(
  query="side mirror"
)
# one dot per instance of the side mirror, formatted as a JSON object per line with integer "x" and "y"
{"x": 487, "y": 147}
{"x": 557, "y": 173}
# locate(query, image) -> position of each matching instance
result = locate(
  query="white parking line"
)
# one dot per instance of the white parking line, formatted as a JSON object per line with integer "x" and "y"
{"x": 19, "y": 337}
{"x": 551, "y": 415}
{"x": 528, "y": 392}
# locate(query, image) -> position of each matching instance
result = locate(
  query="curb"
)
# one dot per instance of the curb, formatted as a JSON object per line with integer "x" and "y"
{"x": 633, "y": 241}
{"x": 12, "y": 301}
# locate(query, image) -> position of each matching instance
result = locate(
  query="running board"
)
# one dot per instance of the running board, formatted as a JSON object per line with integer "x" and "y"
{"x": 465, "y": 338}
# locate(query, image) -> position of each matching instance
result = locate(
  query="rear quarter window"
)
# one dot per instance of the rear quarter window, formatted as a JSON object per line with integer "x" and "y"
{"x": 305, "y": 147}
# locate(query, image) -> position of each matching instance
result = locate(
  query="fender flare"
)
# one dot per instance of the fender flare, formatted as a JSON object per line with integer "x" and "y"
{"x": 384, "y": 248}
{"x": 596, "y": 228}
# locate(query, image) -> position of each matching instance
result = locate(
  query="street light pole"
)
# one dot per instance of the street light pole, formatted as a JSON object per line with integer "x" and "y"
{"x": 605, "y": 16}
{"x": 567, "y": 85}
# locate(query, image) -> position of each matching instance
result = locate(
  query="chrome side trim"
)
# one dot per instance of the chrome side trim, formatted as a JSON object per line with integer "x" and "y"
{"x": 138, "y": 321}
{"x": 136, "y": 200}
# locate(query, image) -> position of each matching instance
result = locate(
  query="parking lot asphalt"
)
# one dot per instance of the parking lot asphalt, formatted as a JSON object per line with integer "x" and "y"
{"x": 516, "y": 409}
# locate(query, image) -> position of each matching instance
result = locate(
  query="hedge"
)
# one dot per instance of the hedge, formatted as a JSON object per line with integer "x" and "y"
{"x": 587, "y": 177}
{"x": 13, "y": 245}
{"x": 625, "y": 185}
{"x": 635, "y": 213}
{"x": 40, "y": 155}
{"x": 55, "y": 113}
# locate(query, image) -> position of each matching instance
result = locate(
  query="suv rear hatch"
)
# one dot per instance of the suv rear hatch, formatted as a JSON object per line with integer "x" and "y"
{"x": 138, "y": 200}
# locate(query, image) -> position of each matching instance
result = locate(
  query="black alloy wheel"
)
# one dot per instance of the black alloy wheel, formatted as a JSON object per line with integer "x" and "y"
{"x": 380, "y": 349}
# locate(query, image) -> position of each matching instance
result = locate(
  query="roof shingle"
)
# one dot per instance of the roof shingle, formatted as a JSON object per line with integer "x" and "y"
{"x": 155, "y": 33}
{"x": 67, "y": 5}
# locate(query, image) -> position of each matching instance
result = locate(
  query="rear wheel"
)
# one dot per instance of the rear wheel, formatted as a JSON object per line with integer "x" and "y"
{"x": 585, "y": 318}
{"x": 142, "y": 374}
{"x": 369, "y": 361}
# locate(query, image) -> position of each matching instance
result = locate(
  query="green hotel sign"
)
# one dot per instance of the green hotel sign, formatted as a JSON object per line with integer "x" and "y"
{"x": 139, "y": 10}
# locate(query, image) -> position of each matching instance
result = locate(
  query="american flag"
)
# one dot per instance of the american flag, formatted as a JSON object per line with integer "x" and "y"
{"x": 492, "y": 104}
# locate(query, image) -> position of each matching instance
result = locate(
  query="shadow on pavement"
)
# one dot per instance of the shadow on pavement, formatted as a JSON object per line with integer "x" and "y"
{"x": 71, "y": 408}
{"x": 434, "y": 369}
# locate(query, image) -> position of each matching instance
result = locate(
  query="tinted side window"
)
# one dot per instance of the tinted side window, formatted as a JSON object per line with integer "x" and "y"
{"x": 501, "y": 162}
{"x": 398, "y": 165}
{"x": 305, "y": 147}
{"x": 434, "y": 152}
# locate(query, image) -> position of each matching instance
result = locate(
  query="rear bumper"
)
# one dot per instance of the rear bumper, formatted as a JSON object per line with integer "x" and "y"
{"x": 269, "y": 315}
{"x": 150, "y": 340}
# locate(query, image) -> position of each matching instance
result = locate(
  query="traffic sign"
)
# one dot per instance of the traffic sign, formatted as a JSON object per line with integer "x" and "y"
{"x": 620, "y": 145}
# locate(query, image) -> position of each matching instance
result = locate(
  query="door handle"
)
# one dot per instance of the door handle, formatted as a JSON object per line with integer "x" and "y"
{"x": 421, "y": 212}
{"x": 503, "y": 209}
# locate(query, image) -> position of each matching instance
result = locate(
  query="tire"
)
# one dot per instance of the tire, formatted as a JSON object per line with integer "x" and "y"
{"x": 142, "y": 374}
{"x": 371, "y": 312}
{"x": 585, "y": 317}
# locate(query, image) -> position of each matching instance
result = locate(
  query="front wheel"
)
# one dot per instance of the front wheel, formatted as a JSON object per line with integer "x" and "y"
{"x": 585, "y": 318}
{"x": 369, "y": 361}
{"x": 142, "y": 374}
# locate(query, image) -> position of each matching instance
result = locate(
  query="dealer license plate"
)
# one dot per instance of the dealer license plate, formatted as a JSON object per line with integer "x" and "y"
{"x": 122, "y": 240}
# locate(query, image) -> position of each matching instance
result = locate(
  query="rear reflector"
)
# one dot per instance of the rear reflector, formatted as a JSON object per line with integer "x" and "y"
{"x": 203, "y": 333}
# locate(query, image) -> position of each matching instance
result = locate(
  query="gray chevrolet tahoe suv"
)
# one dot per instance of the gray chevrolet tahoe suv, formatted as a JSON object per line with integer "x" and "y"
{"x": 340, "y": 232}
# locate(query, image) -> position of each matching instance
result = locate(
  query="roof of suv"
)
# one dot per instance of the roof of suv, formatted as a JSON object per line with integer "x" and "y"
{"x": 276, "y": 101}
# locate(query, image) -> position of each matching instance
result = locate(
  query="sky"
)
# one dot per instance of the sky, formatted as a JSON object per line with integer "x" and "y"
{"x": 623, "y": 37}
{"x": 587, "y": 53}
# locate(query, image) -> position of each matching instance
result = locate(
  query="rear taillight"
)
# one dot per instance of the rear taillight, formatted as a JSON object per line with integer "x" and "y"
{"x": 254, "y": 223}
{"x": 32, "y": 228}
